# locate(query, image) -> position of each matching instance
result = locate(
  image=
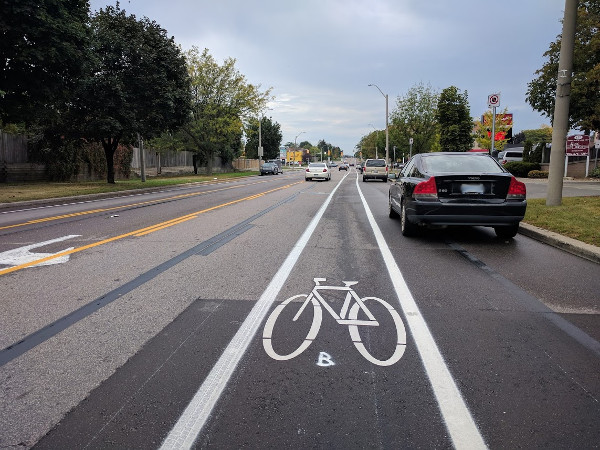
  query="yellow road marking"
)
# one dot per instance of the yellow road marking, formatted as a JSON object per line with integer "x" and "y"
{"x": 131, "y": 205}
{"x": 143, "y": 231}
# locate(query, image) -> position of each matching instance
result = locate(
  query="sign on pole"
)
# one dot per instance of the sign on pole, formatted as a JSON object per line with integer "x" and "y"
{"x": 493, "y": 100}
{"x": 578, "y": 145}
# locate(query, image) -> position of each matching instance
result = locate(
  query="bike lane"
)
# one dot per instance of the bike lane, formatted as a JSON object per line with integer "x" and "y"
{"x": 305, "y": 383}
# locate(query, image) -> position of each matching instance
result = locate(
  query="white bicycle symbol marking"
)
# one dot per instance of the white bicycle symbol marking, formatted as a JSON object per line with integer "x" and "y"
{"x": 347, "y": 316}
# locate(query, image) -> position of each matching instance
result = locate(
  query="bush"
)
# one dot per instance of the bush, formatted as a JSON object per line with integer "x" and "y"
{"x": 521, "y": 169}
{"x": 538, "y": 174}
{"x": 595, "y": 173}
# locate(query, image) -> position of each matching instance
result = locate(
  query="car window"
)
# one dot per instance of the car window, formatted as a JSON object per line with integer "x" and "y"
{"x": 317, "y": 165}
{"x": 513, "y": 155}
{"x": 460, "y": 164}
{"x": 408, "y": 168}
{"x": 376, "y": 163}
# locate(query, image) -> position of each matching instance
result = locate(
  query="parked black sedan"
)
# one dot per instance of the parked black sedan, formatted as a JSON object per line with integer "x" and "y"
{"x": 457, "y": 189}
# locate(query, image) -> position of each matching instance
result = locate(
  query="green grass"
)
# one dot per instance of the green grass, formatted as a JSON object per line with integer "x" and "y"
{"x": 17, "y": 192}
{"x": 577, "y": 217}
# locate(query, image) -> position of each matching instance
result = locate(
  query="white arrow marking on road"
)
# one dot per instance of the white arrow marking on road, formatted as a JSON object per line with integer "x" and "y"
{"x": 23, "y": 255}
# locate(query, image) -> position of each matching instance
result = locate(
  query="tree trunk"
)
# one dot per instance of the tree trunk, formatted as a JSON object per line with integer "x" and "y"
{"x": 209, "y": 165}
{"x": 110, "y": 146}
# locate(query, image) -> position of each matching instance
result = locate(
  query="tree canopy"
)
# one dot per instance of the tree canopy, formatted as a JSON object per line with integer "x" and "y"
{"x": 453, "y": 117}
{"x": 43, "y": 48}
{"x": 221, "y": 100}
{"x": 414, "y": 117}
{"x": 270, "y": 138}
{"x": 483, "y": 131}
{"x": 584, "y": 109}
{"x": 136, "y": 82}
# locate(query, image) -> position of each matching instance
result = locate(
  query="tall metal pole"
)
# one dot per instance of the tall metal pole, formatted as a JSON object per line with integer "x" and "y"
{"x": 560, "y": 124}
{"x": 493, "y": 129}
{"x": 387, "y": 135}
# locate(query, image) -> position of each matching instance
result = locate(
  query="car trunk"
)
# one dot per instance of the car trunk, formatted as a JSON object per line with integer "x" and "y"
{"x": 472, "y": 188}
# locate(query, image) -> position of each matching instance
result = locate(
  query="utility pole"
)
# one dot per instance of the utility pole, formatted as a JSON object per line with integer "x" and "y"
{"x": 560, "y": 124}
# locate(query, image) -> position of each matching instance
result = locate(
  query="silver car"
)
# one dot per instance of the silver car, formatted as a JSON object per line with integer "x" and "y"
{"x": 317, "y": 171}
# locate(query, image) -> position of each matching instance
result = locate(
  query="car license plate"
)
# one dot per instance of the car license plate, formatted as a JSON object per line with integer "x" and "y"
{"x": 472, "y": 188}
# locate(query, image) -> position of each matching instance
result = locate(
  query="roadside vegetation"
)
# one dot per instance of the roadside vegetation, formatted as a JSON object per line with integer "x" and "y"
{"x": 577, "y": 217}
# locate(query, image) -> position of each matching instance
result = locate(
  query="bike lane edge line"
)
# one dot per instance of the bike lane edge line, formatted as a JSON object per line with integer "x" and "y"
{"x": 192, "y": 420}
{"x": 459, "y": 422}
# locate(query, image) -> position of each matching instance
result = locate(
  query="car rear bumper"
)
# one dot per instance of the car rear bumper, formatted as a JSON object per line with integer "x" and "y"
{"x": 437, "y": 213}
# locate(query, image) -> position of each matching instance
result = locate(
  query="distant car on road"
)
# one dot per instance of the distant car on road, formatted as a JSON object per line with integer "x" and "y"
{"x": 457, "y": 189}
{"x": 317, "y": 171}
{"x": 269, "y": 169}
{"x": 343, "y": 166}
{"x": 375, "y": 169}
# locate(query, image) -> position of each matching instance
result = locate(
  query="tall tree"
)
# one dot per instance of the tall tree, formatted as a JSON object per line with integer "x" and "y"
{"x": 454, "y": 120}
{"x": 414, "y": 117}
{"x": 584, "y": 109}
{"x": 221, "y": 100}
{"x": 42, "y": 48}
{"x": 137, "y": 82}
{"x": 270, "y": 138}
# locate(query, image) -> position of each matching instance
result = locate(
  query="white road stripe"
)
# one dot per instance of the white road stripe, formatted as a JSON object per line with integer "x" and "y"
{"x": 189, "y": 425}
{"x": 459, "y": 422}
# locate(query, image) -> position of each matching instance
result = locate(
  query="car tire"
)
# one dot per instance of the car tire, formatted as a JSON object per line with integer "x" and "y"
{"x": 391, "y": 211}
{"x": 507, "y": 232}
{"x": 364, "y": 179}
{"x": 407, "y": 228}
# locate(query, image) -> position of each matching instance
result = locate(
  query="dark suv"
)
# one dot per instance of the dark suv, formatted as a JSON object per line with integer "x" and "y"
{"x": 375, "y": 169}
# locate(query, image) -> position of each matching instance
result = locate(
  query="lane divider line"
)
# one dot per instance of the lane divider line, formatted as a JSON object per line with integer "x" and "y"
{"x": 195, "y": 415}
{"x": 142, "y": 231}
{"x": 460, "y": 424}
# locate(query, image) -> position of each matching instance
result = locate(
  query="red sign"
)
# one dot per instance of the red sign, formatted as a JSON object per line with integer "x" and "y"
{"x": 578, "y": 145}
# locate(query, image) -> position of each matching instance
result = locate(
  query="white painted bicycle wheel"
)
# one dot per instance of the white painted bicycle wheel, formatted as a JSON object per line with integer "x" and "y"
{"x": 400, "y": 332}
{"x": 310, "y": 337}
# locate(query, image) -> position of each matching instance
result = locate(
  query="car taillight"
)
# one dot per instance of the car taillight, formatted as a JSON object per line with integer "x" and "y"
{"x": 516, "y": 190}
{"x": 307, "y": 170}
{"x": 386, "y": 168}
{"x": 426, "y": 190}
{"x": 325, "y": 170}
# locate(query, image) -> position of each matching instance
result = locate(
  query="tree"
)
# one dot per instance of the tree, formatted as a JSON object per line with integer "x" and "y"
{"x": 483, "y": 131}
{"x": 584, "y": 109}
{"x": 43, "y": 46}
{"x": 136, "y": 82}
{"x": 454, "y": 120}
{"x": 270, "y": 138}
{"x": 414, "y": 117}
{"x": 221, "y": 100}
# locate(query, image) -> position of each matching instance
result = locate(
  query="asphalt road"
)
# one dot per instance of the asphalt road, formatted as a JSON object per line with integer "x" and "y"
{"x": 164, "y": 320}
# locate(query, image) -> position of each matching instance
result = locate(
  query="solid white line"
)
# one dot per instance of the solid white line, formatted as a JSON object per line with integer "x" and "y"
{"x": 459, "y": 422}
{"x": 189, "y": 425}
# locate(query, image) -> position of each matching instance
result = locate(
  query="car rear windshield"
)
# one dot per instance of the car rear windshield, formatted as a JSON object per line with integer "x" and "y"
{"x": 460, "y": 164}
{"x": 376, "y": 163}
{"x": 317, "y": 165}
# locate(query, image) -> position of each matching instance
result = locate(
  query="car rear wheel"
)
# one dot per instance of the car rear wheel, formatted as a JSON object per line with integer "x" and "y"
{"x": 407, "y": 228}
{"x": 507, "y": 231}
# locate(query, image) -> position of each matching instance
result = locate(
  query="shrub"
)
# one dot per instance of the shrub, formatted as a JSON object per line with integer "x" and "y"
{"x": 538, "y": 174}
{"x": 521, "y": 169}
{"x": 595, "y": 173}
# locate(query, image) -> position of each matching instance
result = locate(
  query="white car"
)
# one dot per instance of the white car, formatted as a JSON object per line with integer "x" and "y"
{"x": 317, "y": 171}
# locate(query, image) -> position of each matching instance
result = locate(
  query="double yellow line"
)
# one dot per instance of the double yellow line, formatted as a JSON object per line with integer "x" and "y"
{"x": 142, "y": 231}
{"x": 131, "y": 205}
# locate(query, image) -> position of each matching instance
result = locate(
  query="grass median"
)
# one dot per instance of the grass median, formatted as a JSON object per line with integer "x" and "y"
{"x": 18, "y": 192}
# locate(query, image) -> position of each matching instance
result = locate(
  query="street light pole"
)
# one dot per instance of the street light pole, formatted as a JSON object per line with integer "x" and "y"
{"x": 387, "y": 135}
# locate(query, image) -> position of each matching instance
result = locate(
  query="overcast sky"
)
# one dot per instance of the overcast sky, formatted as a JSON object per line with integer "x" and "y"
{"x": 319, "y": 56}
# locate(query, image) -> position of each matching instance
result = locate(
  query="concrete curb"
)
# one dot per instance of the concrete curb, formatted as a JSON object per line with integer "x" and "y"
{"x": 573, "y": 246}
